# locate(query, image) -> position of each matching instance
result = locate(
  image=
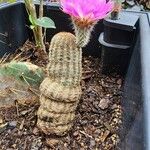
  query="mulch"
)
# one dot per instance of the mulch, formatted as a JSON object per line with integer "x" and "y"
{"x": 98, "y": 116}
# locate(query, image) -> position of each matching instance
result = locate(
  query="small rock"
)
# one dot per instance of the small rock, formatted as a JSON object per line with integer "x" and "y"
{"x": 12, "y": 124}
{"x": 23, "y": 113}
{"x": 65, "y": 145}
{"x": 14, "y": 146}
{"x": 92, "y": 143}
{"x": 25, "y": 133}
{"x": 75, "y": 134}
{"x": 84, "y": 122}
{"x": 52, "y": 142}
{"x": 98, "y": 131}
{"x": 119, "y": 81}
{"x": 35, "y": 131}
{"x": 82, "y": 144}
{"x": 114, "y": 106}
{"x": 36, "y": 144}
{"x": 104, "y": 103}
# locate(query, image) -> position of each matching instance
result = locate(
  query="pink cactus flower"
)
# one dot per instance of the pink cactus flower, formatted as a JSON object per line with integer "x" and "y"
{"x": 85, "y": 14}
{"x": 87, "y": 10}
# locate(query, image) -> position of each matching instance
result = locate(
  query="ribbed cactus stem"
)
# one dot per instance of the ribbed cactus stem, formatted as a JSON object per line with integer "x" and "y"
{"x": 82, "y": 32}
{"x": 61, "y": 90}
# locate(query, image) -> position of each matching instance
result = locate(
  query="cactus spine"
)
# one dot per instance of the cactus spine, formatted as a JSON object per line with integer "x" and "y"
{"x": 61, "y": 90}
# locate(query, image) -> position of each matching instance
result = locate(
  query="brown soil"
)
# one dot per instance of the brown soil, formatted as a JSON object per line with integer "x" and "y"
{"x": 98, "y": 116}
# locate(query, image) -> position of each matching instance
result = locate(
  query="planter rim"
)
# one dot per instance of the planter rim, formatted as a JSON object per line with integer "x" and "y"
{"x": 145, "y": 60}
{"x": 145, "y": 69}
{"x": 4, "y": 5}
{"x": 123, "y": 22}
{"x": 101, "y": 40}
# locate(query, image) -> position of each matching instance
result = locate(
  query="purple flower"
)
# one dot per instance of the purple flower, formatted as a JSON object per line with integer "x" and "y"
{"x": 91, "y": 10}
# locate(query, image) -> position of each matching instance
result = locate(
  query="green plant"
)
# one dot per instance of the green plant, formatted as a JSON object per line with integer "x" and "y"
{"x": 37, "y": 21}
{"x": 23, "y": 71}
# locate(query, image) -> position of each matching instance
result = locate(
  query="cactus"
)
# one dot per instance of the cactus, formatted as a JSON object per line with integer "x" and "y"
{"x": 83, "y": 31}
{"x": 61, "y": 90}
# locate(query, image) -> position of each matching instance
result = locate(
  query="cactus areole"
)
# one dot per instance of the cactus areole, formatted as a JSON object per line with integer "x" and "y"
{"x": 85, "y": 14}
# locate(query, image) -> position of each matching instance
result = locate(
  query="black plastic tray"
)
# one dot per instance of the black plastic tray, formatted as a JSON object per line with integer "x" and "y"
{"x": 114, "y": 57}
{"x": 136, "y": 100}
{"x": 121, "y": 31}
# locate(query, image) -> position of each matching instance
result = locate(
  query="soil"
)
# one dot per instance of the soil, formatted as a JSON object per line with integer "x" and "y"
{"x": 98, "y": 116}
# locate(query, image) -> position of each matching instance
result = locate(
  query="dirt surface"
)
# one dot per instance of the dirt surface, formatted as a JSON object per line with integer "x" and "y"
{"x": 98, "y": 116}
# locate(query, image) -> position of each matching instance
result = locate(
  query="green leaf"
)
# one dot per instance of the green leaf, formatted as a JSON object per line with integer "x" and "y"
{"x": 45, "y": 22}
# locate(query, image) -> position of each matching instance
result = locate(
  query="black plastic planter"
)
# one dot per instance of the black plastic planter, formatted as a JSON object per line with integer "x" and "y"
{"x": 121, "y": 31}
{"x": 117, "y": 42}
{"x": 114, "y": 58}
{"x": 19, "y": 24}
{"x": 136, "y": 92}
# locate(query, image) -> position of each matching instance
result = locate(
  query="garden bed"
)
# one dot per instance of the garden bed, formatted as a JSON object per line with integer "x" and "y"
{"x": 92, "y": 128}
{"x": 98, "y": 117}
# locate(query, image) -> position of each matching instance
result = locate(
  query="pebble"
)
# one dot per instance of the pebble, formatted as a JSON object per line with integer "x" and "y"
{"x": 12, "y": 124}
{"x": 52, "y": 142}
{"x": 104, "y": 103}
{"x": 75, "y": 133}
{"x": 36, "y": 144}
{"x": 35, "y": 131}
{"x": 23, "y": 113}
{"x": 119, "y": 81}
{"x": 92, "y": 143}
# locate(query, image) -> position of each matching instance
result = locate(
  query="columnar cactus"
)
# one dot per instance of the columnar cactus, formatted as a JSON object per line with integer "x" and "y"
{"x": 82, "y": 31}
{"x": 61, "y": 90}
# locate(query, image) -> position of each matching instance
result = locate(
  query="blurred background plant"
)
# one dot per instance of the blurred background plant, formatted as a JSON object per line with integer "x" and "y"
{"x": 138, "y": 5}
{"x": 134, "y": 4}
{"x": 116, "y": 10}
{"x": 37, "y": 22}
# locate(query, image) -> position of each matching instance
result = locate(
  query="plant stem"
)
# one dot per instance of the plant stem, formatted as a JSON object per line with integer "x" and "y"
{"x": 37, "y": 30}
{"x": 40, "y": 28}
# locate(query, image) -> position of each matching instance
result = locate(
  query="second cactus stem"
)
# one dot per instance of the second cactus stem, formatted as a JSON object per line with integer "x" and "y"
{"x": 61, "y": 90}
{"x": 83, "y": 31}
